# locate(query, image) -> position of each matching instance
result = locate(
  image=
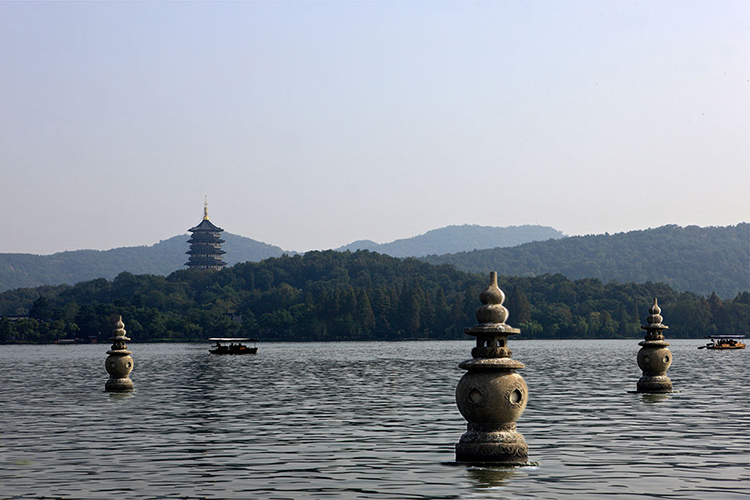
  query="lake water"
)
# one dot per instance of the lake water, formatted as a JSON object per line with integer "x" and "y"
{"x": 365, "y": 420}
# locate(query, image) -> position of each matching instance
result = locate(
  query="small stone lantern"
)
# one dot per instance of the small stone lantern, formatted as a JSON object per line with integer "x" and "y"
{"x": 119, "y": 364}
{"x": 491, "y": 396}
{"x": 654, "y": 358}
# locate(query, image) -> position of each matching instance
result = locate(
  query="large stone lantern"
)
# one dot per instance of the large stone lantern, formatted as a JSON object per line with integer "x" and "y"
{"x": 654, "y": 358}
{"x": 119, "y": 364}
{"x": 491, "y": 396}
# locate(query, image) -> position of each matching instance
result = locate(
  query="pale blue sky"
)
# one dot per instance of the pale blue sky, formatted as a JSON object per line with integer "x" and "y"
{"x": 313, "y": 124}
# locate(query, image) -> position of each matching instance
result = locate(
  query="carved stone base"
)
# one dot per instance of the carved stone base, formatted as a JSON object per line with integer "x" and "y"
{"x": 504, "y": 445}
{"x": 659, "y": 383}
{"x": 119, "y": 385}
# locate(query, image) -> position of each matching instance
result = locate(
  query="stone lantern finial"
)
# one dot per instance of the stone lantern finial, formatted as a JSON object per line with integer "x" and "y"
{"x": 492, "y": 309}
{"x": 654, "y": 358}
{"x": 654, "y": 324}
{"x": 491, "y": 396}
{"x": 119, "y": 364}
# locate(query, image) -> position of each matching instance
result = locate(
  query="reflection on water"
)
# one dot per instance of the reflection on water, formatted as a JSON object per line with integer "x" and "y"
{"x": 654, "y": 398}
{"x": 365, "y": 420}
{"x": 489, "y": 477}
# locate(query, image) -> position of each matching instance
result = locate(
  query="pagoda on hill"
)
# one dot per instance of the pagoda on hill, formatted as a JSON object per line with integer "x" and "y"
{"x": 205, "y": 245}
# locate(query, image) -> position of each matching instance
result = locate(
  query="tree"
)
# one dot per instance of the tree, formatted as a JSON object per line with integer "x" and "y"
{"x": 718, "y": 313}
{"x": 518, "y": 306}
{"x": 41, "y": 310}
{"x": 364, "y": 314}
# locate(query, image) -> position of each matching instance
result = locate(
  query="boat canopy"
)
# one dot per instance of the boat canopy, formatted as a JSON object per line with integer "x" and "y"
{"x": 232, "y": 339}
{"x": 725, "y": 336}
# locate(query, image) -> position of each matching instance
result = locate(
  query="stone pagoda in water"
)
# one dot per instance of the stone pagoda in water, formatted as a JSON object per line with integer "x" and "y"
{"x": 205, "y": 245}
{"x": 491, "y": 396}
{"x": 654, "y": 358}
{"x": 119, "y": 364}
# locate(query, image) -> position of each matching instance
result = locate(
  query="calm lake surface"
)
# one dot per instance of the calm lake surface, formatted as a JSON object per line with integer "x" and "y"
{"x": 365, "y": 420}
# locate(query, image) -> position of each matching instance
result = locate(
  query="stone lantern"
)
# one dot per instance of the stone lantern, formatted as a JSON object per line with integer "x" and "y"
{"x": 491, "y": 396}
{"x": 119, "y": 364}
{"x": 654, "y": 358}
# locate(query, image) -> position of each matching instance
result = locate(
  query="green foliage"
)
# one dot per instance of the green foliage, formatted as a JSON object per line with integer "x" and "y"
{"x": 322, "y": 296}
{"x": 700, "y": 260}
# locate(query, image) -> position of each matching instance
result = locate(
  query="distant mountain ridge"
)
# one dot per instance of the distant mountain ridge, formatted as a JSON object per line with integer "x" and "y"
{"x": 167, "y": 256}
{"x": 28, "y": 270}
{"x": 695, "y": 259}
{"x": 452, "y": 239}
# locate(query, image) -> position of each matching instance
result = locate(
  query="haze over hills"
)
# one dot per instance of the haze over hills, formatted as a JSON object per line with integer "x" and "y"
{"x": 452, "y": 239}
{"x": 700, "y": 260}
{"x": 167, "y": 256}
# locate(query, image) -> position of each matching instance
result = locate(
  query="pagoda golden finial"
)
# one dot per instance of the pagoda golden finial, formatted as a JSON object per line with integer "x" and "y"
{"x": 205, "y": 209}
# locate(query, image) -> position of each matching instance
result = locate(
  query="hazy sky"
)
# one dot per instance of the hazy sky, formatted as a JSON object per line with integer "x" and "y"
{"x": 313, "y": 124}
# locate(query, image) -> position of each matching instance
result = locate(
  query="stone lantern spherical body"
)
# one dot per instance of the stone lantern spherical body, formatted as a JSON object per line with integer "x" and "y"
{"x": 491, "y": 396}
{"x": 657, "y": 359}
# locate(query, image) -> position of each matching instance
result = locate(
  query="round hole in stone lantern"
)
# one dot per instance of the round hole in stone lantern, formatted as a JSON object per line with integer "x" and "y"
{"x": 516, "y": 396}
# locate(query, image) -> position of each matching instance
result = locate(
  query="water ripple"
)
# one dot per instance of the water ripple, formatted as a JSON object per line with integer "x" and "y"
{"x": 365, "y": 420}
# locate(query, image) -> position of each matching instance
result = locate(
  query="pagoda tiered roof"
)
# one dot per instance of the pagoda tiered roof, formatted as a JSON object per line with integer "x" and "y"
{"x": 206, "y": 225}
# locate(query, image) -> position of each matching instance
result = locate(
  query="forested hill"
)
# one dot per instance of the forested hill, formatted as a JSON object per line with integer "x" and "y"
{"x": 331, "y": 295}
{"x": 453, "y": 239}
{"x": 700, "y": 260}
{"x": 27, "y": 270}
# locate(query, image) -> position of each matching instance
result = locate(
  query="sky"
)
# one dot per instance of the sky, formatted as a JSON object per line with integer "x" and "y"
{"x": 310, "y": 125}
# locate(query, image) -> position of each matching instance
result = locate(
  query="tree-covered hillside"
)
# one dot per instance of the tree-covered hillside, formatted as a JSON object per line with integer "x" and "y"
{"x": 167, "y": 256}
{"x": 700, "y": 260}
{"x": 453, "y": 239}
{"x": 351, "y": 296}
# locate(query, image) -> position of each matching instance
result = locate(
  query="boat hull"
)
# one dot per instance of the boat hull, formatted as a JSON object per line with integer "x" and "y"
{"x": 246, "y": 350}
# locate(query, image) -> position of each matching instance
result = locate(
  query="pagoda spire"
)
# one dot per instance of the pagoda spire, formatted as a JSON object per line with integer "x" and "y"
{"x": 205, "y": 208}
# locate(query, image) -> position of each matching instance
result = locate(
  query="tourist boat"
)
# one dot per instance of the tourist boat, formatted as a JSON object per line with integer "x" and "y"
{"x": 235, "y": 345}
{"x": 724, "y": 342}
{"x": 89, "y": 340}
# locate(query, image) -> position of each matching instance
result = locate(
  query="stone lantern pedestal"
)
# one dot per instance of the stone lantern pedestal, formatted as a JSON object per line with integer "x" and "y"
{"x": 119, "y": 364}
{"x": 654, "y": 358}
{"x": 491, "y": 396}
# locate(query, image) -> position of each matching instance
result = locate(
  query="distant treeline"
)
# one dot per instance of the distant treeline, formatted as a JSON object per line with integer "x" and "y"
{"x": 330, "y": 296}
{"x": 699, "y": 259}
